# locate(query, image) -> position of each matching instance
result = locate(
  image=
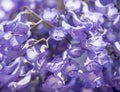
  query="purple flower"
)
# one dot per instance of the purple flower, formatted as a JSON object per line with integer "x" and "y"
{"x": 13, "y": 86}
{"x": 75, "y": 51}
{"x": 59, "y": 45}
{"x": 50, "y": 14}
{"x": 72, "y": 5}
{"x": 100, "y": 7}
{"x": 94, "y": 79}
{"x": 111, "y": 35}
{"x": 53, "y": 83}
{"x": 10, "y": 72}
{"x": 57, "y": 33}
{"x": 95, "y": 43}
{"x": 93, "y": 66}
{"x": 71, "y": 68}
{"x": 78, "y": 34}
{"x": 56, "y": 64}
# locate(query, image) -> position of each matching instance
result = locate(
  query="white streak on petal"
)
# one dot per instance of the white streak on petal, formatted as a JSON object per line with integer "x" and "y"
{"x": 117, "y": 44}
{"x": 32, "y": 53}
{"x": 24, "y": 81}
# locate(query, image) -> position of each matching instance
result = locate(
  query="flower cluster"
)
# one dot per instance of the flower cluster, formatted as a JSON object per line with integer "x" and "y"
{"x": 59, "y": 45}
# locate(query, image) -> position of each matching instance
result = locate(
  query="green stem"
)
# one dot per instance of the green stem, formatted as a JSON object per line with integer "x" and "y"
{"x": 29, "y": 11}
{"x": 43, "y": 39}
